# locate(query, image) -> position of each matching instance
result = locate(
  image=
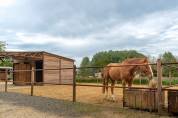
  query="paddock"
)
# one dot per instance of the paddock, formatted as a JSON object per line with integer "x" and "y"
{"x": 91, "y": 93}
{"x": 45, "y": 96}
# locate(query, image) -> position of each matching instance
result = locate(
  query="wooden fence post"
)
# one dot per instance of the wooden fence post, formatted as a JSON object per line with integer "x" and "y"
{"x": 74, "y": 83}
{"x": 123, "y": 95}
{"x": 159, "y": 87}
{"x": 32, "y": 79}
{"x": 6, "y": 79}
{"x": 170, "y": 78}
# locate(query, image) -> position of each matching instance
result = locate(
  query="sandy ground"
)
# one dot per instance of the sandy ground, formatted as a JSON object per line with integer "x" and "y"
{"x": 64, "y": 92}
{"x": 53, "y": 101}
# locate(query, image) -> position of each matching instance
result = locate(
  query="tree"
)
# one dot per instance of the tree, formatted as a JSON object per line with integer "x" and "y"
{"x": 168, "y": 57}
{"x": 106, "y": 57}
{"x": 4, "y": 61}
{"x": 2, "y": 46}
{"x": 85, "y": 63}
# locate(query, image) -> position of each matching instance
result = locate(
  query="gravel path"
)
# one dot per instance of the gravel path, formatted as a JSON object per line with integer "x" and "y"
{"x": 14, "y": 105}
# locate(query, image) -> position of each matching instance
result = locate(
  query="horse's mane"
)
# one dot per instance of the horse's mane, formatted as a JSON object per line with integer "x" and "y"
{"x": 135, "y": 60}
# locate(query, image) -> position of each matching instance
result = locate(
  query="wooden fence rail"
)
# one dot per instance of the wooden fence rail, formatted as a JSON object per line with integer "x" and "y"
{"x": 159, "y": 88}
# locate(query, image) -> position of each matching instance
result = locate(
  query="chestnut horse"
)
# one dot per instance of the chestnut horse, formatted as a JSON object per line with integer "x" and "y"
{"x": 117, "y": 71}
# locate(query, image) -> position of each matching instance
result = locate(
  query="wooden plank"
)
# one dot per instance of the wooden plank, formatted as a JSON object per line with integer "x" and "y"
{"x": 16, "y": 74}
{"x": 2, "y": 74}
{"x": 23, "y": 76}
{"x": 51, "y": 62}
{"x": 173, "y": 102}
{"x": 28, "y": 74}
{"x": 141, "y": 99}
{"x": 60, "y": 71}
{"x": 66, "y": 73}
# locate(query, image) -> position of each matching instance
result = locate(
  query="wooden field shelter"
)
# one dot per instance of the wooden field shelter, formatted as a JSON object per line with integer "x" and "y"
{"x": 48, "y": 67}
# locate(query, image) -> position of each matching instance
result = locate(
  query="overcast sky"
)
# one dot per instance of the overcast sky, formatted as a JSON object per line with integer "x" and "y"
{"x": 78, "y": 28}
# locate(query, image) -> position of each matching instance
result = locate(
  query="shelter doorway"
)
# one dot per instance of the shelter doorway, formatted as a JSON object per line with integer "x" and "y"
{"x": 39, "y": 73}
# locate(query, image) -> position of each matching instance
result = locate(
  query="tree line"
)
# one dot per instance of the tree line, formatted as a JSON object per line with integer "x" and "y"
{"x": 105, "y": 57}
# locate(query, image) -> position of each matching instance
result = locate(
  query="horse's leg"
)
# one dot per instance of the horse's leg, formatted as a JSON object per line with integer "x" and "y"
{"x": 112, "y": 90}
{"x": 106, "y": 86}
{"x": 123, "y": 83}
{"x": 130, "y": 83}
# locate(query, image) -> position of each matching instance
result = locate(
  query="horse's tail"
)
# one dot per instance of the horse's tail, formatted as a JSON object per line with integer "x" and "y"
{"x": 104, "y": 81}
{"x": 105, "y": 76}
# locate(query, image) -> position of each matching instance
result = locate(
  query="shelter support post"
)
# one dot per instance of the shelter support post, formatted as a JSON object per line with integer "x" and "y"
{"x": 170, "y": 78}
{"x": 32, "y": 79}
{"x": 74, "y": 83}
{"x": 159, "y": 87}
{"x": 6, "y": 79}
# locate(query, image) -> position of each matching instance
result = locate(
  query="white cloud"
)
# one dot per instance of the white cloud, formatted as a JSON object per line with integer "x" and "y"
{"x": 153, "y": 34}
{"x": 7, "y": 3}
{"x": 14, "y": 49}
{"x": 81, "y": 31}
{"x": 41, "y": 39}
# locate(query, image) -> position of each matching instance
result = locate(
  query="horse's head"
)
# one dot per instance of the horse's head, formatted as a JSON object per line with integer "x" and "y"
{"x": 146, "y": 70}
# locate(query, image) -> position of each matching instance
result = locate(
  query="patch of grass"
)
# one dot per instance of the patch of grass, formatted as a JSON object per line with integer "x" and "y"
{"x": 143, "y": 81}
{"x": 140, "y": 81}
{"x": 88, "y": 80}
{"x": 86, "y": 108}
{"x": 173, "y": 82}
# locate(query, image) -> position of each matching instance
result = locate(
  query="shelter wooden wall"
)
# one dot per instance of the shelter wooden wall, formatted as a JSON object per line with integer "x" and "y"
{"x": 66, "y": 74}
{"x": 51, "y": 62}
{"x": 2, "y": 75}
{"x": 22, "y": 76}
{"x": 57, "y": 76}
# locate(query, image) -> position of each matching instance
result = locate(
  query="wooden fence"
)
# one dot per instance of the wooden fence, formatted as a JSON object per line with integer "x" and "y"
{"x": 159, "y": 90}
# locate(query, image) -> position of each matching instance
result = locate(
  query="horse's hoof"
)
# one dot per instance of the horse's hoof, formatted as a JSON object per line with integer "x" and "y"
{"x": 105, "y": 97}
{"x": 113, "y": 98}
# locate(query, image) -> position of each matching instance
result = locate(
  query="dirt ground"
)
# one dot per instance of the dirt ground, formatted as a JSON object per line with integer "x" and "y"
{"x": 64, "y": 92}
{"x": 54, "y": 101}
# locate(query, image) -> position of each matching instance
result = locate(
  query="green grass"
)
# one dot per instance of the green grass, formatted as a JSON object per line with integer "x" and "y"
{"x": 142, "y": 81}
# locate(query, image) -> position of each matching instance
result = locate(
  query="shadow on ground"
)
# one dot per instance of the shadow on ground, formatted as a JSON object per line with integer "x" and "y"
{"x": 61, "y": 108}
{"x": 48, "y": 105}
